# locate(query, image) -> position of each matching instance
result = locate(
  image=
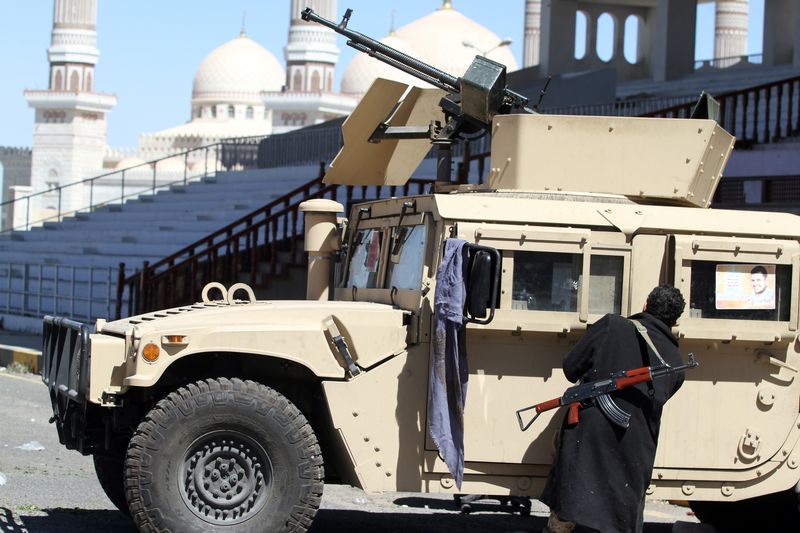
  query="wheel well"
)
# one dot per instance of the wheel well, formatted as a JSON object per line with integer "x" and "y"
{"x": 293, "y": 380}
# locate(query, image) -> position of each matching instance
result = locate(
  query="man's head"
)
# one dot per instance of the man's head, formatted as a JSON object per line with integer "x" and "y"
{"x": 666, "y": 303}
{"x": 758, "y": 279}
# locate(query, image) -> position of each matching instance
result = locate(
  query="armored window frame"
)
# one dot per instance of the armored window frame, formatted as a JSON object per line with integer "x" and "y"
{"x": 578, "y": 241}
{"x": 784, "y": 254}
{"x": 385, "y": 225}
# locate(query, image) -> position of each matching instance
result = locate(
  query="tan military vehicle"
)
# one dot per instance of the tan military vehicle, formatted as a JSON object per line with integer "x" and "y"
{"x": 230, "y": 414}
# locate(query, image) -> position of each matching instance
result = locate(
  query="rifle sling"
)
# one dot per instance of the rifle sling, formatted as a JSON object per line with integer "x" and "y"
{"x": 646, "y": 360}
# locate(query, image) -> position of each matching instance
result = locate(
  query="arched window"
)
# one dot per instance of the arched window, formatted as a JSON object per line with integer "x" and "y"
{"x": 297, "y": 81}
{"x": 59, "y": 83}
{"x": 249, "y": 112}
{"x": 88, "y": 82}
{"x": 74, "y": 81}
{"x": 213, "y": 111}
{"x": 316, "y": 82}
{"x": 630, "y": 48}
{"x": 231, "y": 111}
{"x": 581, "y": 34}
{"x": 606, "y": 37}
{"x": 266, "y": 114}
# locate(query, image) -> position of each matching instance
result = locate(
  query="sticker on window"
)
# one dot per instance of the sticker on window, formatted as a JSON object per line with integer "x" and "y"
{"x": 740, "y": 286}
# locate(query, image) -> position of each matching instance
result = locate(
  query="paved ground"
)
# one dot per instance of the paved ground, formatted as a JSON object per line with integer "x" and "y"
{"x": 46, "y": 488}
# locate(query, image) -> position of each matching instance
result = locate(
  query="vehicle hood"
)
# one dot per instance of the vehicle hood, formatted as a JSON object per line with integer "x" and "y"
{"x": 293, "y": 330}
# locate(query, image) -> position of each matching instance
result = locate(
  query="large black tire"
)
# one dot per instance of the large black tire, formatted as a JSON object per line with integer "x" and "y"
{"x": 109, "y": 472}
{"x": 223, "y": 455}
{"x": 773, "y": 512}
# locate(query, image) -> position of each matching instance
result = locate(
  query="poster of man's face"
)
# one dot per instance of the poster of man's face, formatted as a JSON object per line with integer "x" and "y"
{"x": 743, "y": 286}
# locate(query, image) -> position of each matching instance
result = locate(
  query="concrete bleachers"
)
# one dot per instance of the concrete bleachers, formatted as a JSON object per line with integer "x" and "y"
{"x": 71, "y": 267}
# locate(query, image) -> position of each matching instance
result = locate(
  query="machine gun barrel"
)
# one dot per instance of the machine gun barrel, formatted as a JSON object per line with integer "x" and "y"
{"x": 387, "y": 54}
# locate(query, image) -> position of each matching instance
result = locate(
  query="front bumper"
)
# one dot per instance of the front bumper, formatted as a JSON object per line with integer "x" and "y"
{"x": 65, "y": 370}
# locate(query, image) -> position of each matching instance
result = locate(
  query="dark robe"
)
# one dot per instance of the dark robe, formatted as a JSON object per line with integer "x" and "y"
{"x": 601, "y": 471}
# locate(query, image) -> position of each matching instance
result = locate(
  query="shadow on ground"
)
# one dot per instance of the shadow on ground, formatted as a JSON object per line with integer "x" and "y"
{"x": 64, "y": 521}
{"x": 326, "y": 521}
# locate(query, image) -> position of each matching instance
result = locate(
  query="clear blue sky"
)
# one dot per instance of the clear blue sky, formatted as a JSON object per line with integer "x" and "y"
{"x": 150, "y": 49}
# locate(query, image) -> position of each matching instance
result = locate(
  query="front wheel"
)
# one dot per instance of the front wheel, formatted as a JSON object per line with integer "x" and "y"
{"x": 224, "y": 455}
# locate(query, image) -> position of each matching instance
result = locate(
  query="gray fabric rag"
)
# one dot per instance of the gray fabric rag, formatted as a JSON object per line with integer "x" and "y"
{"x": 447, "y": 388}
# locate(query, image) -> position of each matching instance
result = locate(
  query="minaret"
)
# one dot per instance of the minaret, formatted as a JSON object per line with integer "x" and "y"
{"x": 311, "y": 52}
{"x": 533, "y": 16}
{"x": 69, "y": 136}
{"x": 730, "y": 34}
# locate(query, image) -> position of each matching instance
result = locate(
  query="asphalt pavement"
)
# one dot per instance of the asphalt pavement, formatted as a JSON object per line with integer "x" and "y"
{"x": 45, "y": 488}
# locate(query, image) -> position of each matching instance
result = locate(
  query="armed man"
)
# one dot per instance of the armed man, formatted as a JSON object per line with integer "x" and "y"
{"x": 602, "y": 468}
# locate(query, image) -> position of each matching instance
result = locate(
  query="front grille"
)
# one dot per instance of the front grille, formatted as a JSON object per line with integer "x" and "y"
{"x": 65, "y": 371}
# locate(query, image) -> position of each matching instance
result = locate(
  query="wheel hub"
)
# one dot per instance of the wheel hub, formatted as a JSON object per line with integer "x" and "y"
{"x": 225, "y": 477}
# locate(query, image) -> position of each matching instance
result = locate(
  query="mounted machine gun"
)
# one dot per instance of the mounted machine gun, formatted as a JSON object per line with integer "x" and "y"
{"x": 470, "y": 103}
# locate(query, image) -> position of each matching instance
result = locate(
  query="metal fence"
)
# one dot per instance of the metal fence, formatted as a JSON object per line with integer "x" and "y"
{"x": 82, "y": 196}
{"x": 82, "y": 293}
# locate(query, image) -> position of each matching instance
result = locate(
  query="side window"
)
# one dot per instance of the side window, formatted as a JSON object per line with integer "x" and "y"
{"x": 364, "y": 266}
{"x": 553, "y": 281}
{"x": 740, "y": 291}
{"x": 406, "y": 258}
{"x": 546, "y": 281}
{"x": 605, "y": 284}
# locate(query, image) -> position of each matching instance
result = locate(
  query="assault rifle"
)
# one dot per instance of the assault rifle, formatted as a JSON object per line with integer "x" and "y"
{"x": 472, "y": 100}
{"x": 577, "y": 395}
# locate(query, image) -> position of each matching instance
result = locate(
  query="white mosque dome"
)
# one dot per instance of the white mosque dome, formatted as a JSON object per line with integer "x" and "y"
{"x": 239, "y": 70}
{"x": 363, "y": 69}
{"x": 437, "y": 39}
{"x": 440, "y": 38}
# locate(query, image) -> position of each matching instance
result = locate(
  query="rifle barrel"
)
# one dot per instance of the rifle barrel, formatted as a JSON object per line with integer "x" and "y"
{"x": 388, "y": 55}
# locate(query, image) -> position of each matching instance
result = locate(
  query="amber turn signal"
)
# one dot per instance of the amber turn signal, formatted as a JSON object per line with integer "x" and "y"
{"x": 151, "y": 352}
{"x": 174, "y": 340}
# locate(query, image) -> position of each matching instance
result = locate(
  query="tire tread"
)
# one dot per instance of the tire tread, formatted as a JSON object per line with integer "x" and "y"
{"x": 266, "y": 401}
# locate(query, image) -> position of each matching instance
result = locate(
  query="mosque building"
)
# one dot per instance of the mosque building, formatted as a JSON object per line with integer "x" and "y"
{"x": 241, "y": 89}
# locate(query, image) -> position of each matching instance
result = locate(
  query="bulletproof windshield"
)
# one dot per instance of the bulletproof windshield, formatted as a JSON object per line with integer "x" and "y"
{"x": 404, "y": 269}
{"x": 365, "y": 259}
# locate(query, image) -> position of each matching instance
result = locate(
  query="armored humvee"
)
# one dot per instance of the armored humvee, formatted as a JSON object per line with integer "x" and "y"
{"x": 229, "y": 414}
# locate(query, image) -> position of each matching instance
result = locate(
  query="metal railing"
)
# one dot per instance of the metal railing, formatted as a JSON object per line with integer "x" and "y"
{"x": 726, "y": 62}
{"x": 622, "y": 108}
{"x": 763, "y": 114}
{"x": 34, "y": 289}
{"x": 115, "y": 187}
{"x": 248, "y": 247}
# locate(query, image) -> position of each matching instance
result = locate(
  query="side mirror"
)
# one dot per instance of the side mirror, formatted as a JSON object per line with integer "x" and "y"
{"x": 483, "y": 283}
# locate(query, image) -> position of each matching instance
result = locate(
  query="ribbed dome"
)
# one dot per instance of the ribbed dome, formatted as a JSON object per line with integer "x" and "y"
{"x": 238, "y": 71}
{"x": 440, "y": 38}
{"x": 437, "y": 39}
{"x": 363, "y": 69}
